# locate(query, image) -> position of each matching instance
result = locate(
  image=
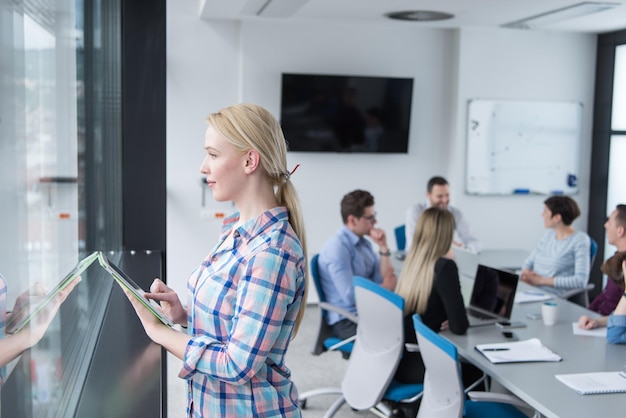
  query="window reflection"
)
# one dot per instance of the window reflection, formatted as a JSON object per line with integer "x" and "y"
{"x": 618, "y": 114}
{"x": 51, "y": 139}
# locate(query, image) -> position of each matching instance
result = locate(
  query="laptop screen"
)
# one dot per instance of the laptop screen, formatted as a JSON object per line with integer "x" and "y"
{"x": 494, "y": 291}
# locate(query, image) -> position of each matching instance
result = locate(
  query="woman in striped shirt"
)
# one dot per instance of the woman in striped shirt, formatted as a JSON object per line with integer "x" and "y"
{"x": 561, "y": 260}
{"x": 245, "y": 300}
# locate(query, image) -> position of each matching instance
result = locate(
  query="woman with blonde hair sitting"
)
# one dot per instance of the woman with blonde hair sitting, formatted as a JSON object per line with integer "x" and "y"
{"x": 429, "y": 284}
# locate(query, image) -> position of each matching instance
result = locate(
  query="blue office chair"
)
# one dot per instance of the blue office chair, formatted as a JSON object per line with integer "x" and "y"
{"x": 400, "y": 232}
{"x": 376, "y": 353}
{"x": 444, "y": 396}
{"x": 593, "y": 249}
{"x": 325, "y": 340}
{"x": 580, "y": 295}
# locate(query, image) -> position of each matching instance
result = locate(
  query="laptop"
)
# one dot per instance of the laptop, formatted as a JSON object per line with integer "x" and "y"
{"x": 492, "y": 296}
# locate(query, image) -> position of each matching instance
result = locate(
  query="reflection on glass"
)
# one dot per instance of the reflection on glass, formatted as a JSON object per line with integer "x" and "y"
{"x": 616, "y": 192}
{"x": 618, "y": 116}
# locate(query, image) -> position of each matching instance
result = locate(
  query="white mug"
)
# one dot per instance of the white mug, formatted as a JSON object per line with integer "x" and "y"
{"x": 550, "y": 313}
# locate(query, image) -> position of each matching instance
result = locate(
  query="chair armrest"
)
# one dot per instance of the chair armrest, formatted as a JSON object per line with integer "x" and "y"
{"x": 341, "y": 343}
{"x": 480, "y": 396}
{"x": 412, "y": 348}
{"x": 349, "y": 315}
{"x": 574, "y": 292}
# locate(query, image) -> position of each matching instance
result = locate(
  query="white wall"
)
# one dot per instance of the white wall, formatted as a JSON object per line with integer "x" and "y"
{"x": 214, "y": 64}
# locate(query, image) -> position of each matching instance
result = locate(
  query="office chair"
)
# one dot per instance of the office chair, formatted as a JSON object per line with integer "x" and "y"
{"x": 444, "y": 396}
{"x": 376, "y": 353}
{"x": 580, "y": 295}
{"x": 400, "y": 237}
{"x": 325, "y": 340}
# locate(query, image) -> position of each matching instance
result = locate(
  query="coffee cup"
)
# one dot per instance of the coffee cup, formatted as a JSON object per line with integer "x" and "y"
{"x": 550, "y": 313}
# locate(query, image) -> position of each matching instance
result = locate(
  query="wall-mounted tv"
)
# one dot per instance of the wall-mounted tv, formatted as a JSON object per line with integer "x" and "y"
{"x": 346, "y": 113}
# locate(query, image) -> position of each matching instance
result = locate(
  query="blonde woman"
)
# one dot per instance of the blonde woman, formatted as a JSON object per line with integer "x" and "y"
{"x": 245, "y": 300}
{"x": 429, "y": 284}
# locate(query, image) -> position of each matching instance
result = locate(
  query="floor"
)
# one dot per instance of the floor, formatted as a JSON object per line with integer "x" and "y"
{"x": 308, "y": 372}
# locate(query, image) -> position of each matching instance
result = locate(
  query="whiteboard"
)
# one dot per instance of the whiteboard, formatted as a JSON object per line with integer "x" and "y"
{"x": 523, "y": 147}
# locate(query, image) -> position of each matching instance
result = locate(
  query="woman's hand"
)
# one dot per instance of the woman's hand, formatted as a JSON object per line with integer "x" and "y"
{"x": 169, "y": 301}
{"x": 41, "y": 321}
{"x": 25, "y": 300}
{"x": 530, "y": 277}
{"x": 584, "y": 322}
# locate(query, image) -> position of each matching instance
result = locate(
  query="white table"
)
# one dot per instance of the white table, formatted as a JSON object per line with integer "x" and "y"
{"x": 535, "y": 382}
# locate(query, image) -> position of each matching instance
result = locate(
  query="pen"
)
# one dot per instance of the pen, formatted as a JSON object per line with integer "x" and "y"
{"x": 495, "y": 349}
{"x": 533, "y": 293}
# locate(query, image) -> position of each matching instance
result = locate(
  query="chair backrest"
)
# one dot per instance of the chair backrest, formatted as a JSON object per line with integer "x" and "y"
{"x": 443, "y": 389}
{"x": 593, "y": 249}
{"x": 400, "y": 232}
{"x": 324, "y": 331}
{"x": 315, "y": 273}
{"x": 378, "y": 346}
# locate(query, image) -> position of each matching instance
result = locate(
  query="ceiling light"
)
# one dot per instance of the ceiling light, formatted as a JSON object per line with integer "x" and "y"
{"x": 419, "y": 15}
{"x": 558, "y": 15}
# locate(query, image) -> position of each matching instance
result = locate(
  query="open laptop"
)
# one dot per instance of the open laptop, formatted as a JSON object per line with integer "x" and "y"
{"x": 492, "y": 296}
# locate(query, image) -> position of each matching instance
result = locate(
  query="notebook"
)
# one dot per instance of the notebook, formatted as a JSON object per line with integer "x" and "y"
{"x": 493, "y": 294}
{"x": 127, "y": 283}
{"x": 517, "y": 352}
{"x": 593, "y": 383}
{"x": 21, "y": 318}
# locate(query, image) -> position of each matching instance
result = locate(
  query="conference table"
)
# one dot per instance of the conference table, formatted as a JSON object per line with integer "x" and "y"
{"x": 534, "y": 382}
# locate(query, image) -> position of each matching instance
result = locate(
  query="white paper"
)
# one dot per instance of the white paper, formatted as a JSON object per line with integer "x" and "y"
{"x": 532, "y": 296}
{"x": 596, "y": 332}
{"x": 518, "y": 351}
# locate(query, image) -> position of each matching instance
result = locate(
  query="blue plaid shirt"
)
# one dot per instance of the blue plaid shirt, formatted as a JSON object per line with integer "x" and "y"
{"x": 242, "y": 305}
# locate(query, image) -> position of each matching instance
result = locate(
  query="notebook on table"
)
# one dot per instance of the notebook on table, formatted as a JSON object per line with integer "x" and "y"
{"x": 517, "y": 352}
{"x": 597, "y": 382}
{"x": 493, "y": 294}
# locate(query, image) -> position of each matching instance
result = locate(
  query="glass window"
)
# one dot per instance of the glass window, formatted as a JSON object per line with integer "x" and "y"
{"x": 60, "y": 188}
{"x": 618, "y": 116}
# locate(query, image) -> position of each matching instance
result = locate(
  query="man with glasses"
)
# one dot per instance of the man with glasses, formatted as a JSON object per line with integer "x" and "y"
{"x": 348, "y": 253}
{"x": 438, "y": 194}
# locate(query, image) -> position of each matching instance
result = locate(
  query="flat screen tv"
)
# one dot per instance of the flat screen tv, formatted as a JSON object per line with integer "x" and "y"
{"x": 335, "y": 113}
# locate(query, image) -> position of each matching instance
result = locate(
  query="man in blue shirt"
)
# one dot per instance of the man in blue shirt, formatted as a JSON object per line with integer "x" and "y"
{"x": 348, "y": 253}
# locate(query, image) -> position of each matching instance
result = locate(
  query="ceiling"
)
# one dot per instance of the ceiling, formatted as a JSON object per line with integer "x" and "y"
{"x": 468, "y": 13}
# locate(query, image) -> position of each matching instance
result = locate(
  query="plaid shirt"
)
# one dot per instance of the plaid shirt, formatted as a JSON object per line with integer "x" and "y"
{"x": 242, "y": 307}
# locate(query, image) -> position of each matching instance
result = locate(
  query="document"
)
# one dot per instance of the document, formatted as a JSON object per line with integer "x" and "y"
{"x": 127, "y": 283}
{"x": 517, "y": 351}
{"x": 532, "y": 296}
{"x": 21, "y": 318}
{"x": 596, "y": 332}
{"x": 592, "y": 383}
